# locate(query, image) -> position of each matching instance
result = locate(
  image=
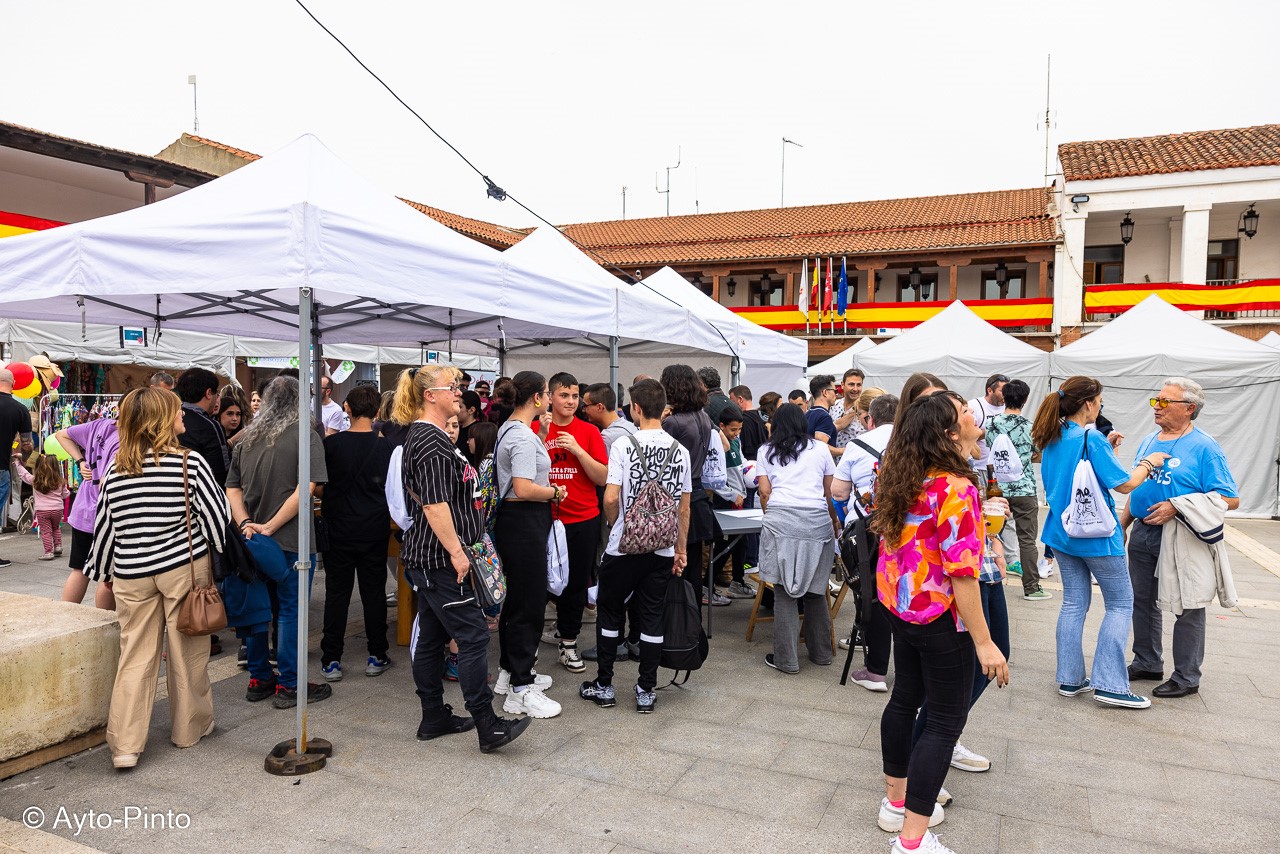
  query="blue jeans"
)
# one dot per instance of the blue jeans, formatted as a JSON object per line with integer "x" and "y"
{"x": 1110, "y": 672}
{"x": 4, "y": 497}
{"x": 996, "y": 609}
{"x": 286, "y": 630}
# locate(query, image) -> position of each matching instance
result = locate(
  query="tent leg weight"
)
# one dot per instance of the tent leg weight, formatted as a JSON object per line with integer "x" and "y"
{"x": 284, "y": 761}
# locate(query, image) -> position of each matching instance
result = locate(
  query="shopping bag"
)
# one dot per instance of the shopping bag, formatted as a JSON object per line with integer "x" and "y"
{"x": 557, "y": 559}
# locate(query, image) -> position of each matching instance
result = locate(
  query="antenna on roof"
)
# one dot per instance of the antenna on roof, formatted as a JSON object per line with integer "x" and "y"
{"x": 624, "y": 201}
{"x": 195, "y": 112}
{"x": 1048, "y": 118}
{"x": 782, "y": 194}
{"x": 667, "y": 192}
{"x": 697, "y": 206}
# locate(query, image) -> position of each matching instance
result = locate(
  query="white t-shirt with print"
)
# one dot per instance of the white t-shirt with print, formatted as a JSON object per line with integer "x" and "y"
{"x": 627, "y": 471}
{"x": 334, "y": 418}
{"x": 983, "y": 412}
{"x": 799, "y": 483}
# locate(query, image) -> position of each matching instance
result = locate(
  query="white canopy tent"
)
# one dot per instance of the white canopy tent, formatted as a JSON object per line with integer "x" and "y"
{"x": 1271, "y": 339}
{"x": 840, "y": 362}
{"x": 770, "y": 361}
{"x": 661, "y": 331}
{"x": 961, "y": 349}
{"x": 295, "y": 244}
{"x": 1132, "y": 356}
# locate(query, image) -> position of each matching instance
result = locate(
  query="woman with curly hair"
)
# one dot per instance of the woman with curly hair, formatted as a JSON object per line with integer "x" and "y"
{"x": 690, "y": 425}
{"x": 929, "y": 518}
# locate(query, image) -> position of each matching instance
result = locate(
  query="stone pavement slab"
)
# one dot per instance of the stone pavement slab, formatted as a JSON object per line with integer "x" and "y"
{"x": 740, "y": 759}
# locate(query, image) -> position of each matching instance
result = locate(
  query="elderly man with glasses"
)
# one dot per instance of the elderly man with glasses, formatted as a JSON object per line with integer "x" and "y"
{"x": 1196, "y": 469}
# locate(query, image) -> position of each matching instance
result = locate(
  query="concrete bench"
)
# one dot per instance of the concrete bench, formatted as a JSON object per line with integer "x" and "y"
{"x": 57, "y": 666}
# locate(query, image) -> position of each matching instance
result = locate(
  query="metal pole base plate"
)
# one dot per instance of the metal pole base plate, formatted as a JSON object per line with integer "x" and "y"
{"x": 283, "y": 761}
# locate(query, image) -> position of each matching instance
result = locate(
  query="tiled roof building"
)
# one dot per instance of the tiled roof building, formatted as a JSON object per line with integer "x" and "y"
{"x": 1179, "y": 152}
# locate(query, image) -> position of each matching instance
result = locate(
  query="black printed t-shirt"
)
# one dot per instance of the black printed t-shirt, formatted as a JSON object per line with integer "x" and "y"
{"x": 437, "y": 473}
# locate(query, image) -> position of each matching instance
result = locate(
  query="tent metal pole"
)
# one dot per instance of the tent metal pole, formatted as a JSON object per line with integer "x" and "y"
{"x": 735, "y": 371}
{"x": 303, "y": 565}
{"x": 613, "y": 361}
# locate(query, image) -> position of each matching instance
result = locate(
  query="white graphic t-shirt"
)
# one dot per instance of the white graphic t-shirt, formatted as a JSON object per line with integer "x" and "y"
{"x": 627, "y": 471}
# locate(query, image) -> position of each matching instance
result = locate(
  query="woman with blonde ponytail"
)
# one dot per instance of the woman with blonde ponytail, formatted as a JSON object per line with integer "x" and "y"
{"x": 1060, "y": 432}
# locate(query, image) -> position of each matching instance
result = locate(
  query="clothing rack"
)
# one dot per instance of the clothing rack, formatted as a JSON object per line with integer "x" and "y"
{"x": 71, "y": 409}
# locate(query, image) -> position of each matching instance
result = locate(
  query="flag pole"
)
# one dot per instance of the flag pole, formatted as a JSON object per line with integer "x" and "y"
{"x": 804, "y": 290}
{"x": 844, "y": 277}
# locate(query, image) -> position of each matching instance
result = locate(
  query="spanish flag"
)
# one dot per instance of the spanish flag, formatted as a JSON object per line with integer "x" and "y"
{"x": 14, "y": 223}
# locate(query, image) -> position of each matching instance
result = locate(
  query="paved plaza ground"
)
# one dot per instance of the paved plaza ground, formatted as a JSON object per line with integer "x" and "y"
{"x": 741, "y": 759}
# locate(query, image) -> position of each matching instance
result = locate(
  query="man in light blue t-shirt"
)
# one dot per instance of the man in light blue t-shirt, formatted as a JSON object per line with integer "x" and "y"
{"x": 1196, "y": 464}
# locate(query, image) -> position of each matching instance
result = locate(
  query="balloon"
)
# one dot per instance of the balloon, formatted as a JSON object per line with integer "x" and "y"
{"x": 23, "y": 374}
{"x": 52, "y": 446}
{"x": 57, "y": 381}
{"x": 29, "y": 391}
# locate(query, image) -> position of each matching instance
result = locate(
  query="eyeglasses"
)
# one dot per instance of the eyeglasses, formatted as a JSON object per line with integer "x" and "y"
{"x": 453, "y": 387}
{"x": 1163, "y": 403}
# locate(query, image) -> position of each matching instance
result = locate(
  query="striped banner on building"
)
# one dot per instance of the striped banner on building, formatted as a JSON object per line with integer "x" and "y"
{"x": 901, "y": 315}
{"x": 14, "y": 223}
{"x": 1257, "y": 295}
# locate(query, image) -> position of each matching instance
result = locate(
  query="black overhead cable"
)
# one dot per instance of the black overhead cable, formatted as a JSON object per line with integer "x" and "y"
{"x": 492, "y": 189}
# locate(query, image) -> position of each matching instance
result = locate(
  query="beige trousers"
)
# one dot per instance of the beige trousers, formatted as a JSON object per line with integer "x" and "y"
{"x": 147, "y": 607}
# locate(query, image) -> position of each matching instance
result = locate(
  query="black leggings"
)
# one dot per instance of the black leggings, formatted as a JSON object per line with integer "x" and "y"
{"x": 935, "y": 662}
{"x": 520, "y": 536}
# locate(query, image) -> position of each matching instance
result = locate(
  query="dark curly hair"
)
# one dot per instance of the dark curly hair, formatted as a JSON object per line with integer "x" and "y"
{"x": 685, "y": 392}
{"x": 921, "y": 447}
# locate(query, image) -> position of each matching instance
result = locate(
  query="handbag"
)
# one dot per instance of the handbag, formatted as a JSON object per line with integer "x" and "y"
{"x": 1089, "y": 515}
{"x": 487, "y": 580}
{"x": 201, "y": 611}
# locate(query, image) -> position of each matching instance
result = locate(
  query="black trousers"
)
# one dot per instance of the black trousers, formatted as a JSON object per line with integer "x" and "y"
{"x": 345, "y": 565}
{"x": 583, "y": 539}
{"x": 879, "y": 638}
{"x": 644, "y": 578}
{"x": 520, "y": 536}
{"x": 935, "y": 662}
{"x": 436, "y": 624}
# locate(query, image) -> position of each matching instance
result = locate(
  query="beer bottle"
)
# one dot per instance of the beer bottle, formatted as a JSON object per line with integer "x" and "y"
{"x": 993, "y": 486}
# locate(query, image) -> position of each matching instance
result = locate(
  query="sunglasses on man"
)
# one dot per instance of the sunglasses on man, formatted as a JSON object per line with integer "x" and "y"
{"x": 1163, "y": 403}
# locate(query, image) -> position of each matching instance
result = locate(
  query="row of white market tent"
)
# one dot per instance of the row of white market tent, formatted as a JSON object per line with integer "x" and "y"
{"x": 297, "y": 246}
{"x": 1131, "y": 356}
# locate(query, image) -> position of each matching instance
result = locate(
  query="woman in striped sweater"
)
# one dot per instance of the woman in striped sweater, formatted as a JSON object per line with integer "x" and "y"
{"x": 140, "y": 541}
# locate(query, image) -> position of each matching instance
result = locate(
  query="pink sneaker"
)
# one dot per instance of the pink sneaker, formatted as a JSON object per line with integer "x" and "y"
{"x": 869, "y": 680}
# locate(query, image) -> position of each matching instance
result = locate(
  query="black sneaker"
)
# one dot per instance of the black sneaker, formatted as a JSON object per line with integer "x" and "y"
{"x": 645, "y": 700}
{"x": 4, "y": 563}
{"x": 494, "y": 732}
{"x": 442, "y": 721}
{"x": 602, "y": 695}
{"x": 591, "y": 654}
{"x": 287, "y": 698}
{"x": 242, "y": 657}
{"x": 260, "y": 689}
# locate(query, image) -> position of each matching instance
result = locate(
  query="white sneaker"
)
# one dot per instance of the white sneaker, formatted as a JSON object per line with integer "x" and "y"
{"x": 540, "y": 681}
{"x": 551, "y": 636}
{"x": 891, "y": 817}
{"x": 1045, "y": 567}
{"x": 944, "y": 797}
{"x": 589, "y": 614}
{"x": 571, "y": 659}
{"x": 930, "y": 844}
{"x": 531, "y": 702}
{"x": 967, "y": 760}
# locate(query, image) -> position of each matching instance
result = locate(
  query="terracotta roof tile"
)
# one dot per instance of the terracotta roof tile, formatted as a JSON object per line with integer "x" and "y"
{"x": 498, "y": 236}
{"x": 998, "y": 218}
{"x": 246, "y": 155}
{"x": 1179, "y": 152}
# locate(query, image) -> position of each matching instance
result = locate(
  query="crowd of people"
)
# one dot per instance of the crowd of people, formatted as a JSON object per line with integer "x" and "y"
{"x": 624, "y": 497}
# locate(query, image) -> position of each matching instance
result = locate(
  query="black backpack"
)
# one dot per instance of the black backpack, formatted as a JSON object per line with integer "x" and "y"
{"x": 684, "y": 643}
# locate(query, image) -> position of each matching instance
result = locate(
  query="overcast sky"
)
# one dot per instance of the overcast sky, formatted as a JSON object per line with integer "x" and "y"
{"x": 564, "y": 103}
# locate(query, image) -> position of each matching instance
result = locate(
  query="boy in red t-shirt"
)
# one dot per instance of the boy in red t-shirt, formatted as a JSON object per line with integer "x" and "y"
{"x": 580, "y": 463}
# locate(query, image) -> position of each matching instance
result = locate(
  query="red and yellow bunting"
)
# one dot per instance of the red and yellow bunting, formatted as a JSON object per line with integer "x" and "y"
{"x": 1258, "y": 295}
{"x": 14, "y": 223}
{"x": 878, "y": 315}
